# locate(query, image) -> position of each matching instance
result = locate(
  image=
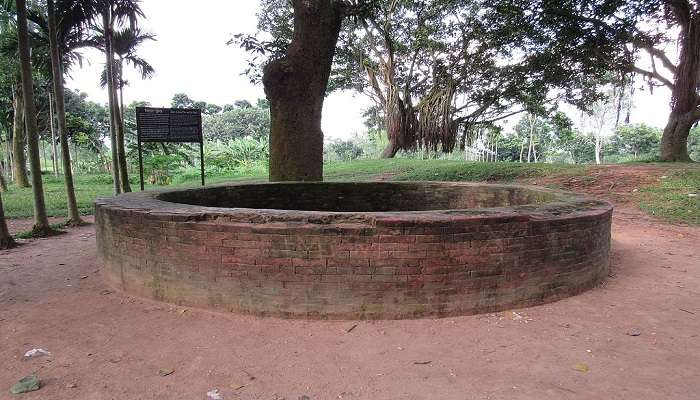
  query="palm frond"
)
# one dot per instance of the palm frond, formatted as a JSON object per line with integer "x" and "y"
{"x": 145, "y": 69}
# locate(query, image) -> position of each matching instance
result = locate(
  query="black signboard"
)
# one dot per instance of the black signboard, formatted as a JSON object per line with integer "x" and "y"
{"x": 169, "y": 124}
{"x": 182, "y": 125}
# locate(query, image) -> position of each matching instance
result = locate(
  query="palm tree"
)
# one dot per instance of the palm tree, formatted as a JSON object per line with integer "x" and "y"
{"x": 19, "y": 158}
{"x": 8, "y": 58}
{"x": 114, "y": 13}
{"x": 41, "y": 222}
{"x": 6, "y": 240}
{"x": 125, "y": 43}
{"x": 57, "y": 77}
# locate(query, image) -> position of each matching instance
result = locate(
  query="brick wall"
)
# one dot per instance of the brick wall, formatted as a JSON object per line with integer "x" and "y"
{"x": 304, "y": 264}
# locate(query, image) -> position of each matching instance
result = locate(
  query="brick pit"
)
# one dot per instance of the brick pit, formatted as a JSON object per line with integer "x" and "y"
{"x": 354, "y": 250}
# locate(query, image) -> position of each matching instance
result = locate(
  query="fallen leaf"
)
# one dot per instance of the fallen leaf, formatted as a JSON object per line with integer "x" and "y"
{"x": 581, "y": 367}
{"x": 165, "y": 371}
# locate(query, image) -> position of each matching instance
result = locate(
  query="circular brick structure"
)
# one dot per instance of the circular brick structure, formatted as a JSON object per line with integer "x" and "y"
{"x": 354, "y": 250}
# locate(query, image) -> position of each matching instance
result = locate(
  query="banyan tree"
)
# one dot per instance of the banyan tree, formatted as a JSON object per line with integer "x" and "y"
{"x": 436, "y": 70}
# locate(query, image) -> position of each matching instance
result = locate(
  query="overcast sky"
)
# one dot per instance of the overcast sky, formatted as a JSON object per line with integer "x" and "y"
{"x": 191, "y": 56}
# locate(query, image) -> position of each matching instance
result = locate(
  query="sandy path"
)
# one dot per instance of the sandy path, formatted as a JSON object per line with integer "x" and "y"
{"x": 111, "y": 346}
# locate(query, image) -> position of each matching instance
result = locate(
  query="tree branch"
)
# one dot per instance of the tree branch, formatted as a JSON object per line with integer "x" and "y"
{"x": 654, "y": 75}
{"x": 656, "y": 53}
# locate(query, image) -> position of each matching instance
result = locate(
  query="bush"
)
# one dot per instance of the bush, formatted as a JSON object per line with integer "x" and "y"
{"x": 342, "y": 150}
{"x": 237, "y": 154}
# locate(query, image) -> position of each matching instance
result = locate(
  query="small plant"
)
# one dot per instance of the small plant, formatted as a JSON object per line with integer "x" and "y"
{"x": 160, "y": 167}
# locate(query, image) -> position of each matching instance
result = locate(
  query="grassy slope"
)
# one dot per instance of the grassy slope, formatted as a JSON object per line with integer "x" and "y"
{"x": 669, "y": 200}
{"x": 676, "y": 198}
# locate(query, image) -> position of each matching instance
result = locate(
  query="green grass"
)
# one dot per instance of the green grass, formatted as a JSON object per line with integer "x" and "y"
{"x": 18, "y": 202}
{"x": 57, "y": 228}
{"x": 444, "y": 170}
{"x": 670, "y": 199}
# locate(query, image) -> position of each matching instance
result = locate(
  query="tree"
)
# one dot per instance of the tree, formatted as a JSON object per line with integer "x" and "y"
{"x": 295, "y": 85}
{"x": 12, "y": 93}
{"x": 58, "y": 89}
{"x": 238, "y": 122}
{"x": 635, "y": 140}
{"x": 113, "y": 13}
{"x": 19, "y": 160}
{"x": 6, "y": 240}
{"x": 181, "y": 100}
{"x": 125, "y": 44}
{"x": 438, "y": 70}
{"x": 41, "y": 222}
{"x": 615, "y": 36}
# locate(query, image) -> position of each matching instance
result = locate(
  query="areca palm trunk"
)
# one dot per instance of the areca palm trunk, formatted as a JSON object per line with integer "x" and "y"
{"x": 121, "y": 150}
{"x": 41, "y": 222}
{"x": 106, "y": 21}
{"x": 58, "y": 89}
{"x": 54, "y": 153}
{"x": 19, "y": 159}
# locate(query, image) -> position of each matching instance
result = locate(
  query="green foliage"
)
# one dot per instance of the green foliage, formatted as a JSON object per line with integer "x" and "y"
{"x": 484, "y": 58}
{"x": 160, "y": 167}
{"x": 342, "y": 150}
{"x": 241, "y": 154}
{"x": 241, "y": 120}
{"x": 635, "y": 140}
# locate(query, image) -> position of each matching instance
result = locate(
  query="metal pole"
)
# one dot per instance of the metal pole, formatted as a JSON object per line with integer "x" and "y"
{"x": 138, "y": 139}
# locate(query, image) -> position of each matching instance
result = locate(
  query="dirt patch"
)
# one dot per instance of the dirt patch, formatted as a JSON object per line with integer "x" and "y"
{"x": 25, "y": 224}
{"x": 618, "y": 183}
{"x": 105, "y": 345}
{"x": 633, "y": 337}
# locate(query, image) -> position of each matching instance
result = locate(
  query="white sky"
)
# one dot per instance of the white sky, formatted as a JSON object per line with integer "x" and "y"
{"x": 191, "y": 56}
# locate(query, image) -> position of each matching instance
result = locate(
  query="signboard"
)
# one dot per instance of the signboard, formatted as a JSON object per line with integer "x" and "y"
{"x": 181, "y": 125}
{"x": 169, "y": 124}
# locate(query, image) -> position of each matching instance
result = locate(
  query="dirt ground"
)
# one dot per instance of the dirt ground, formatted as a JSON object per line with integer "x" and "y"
{"x": 107, "y": 345}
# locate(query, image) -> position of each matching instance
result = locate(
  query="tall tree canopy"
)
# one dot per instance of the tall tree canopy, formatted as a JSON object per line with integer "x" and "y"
{"x": 439, "y": 69}
{"x": 627, "y": 38}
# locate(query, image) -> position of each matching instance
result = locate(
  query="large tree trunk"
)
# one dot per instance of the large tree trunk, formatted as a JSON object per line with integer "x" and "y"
{"x": 6, "y": 240}
{"x": 19, "y": 158}
{"x": 391, "y": 149}
{"x": 41, "y": 222}
{"x": 674, "y": 142}
{"x": 684, "y": 97}
{"x": 296, "y": 85}
{"x": 57, "y": 74}
{"x": 107, "y": 29}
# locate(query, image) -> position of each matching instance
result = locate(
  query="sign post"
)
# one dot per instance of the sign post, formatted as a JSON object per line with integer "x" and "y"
{"x": 180, "y": 125}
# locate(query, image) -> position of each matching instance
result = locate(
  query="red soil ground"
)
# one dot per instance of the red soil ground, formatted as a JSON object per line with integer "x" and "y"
{"x": 106, "y": 345}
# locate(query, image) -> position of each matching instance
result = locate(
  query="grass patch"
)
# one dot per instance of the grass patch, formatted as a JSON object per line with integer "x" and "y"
{"x": 31, "y": 235}
{"x": 672, "y": 199}
{"x": 668, "y": 200}
{"x": 445, "y": 170}
{"x": 367, "y": 170}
